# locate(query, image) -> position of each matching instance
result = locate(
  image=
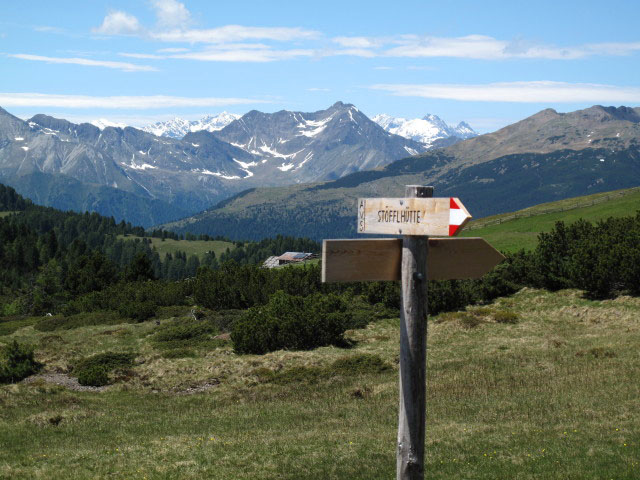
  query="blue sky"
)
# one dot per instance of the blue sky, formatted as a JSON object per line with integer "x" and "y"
{"x": 490, "y": 63}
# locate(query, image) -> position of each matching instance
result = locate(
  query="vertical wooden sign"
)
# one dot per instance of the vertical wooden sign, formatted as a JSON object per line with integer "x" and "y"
{"x": 413, "y": 351}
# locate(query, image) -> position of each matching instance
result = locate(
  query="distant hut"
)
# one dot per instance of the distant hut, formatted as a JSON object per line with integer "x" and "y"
{"x": 288, "y": 257}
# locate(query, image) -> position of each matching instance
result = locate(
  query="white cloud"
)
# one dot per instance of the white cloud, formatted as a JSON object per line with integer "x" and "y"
{"x": 124, "y": 66}
{"x": 316, "y": 89}
{"x": 171, "y": 14}
{"x": 520, "y": 92}
{"x": 119, "y": 23}
{"x": 234, "y": 33}
{"x": 142, "y": 55}
{"x": 360, "y": 42}
{"x": 481, "y": 47}
{"x": 49, "y": 29}
{"x": 172, "y": 50}
{"x": 117, "y": 102}
{"x": 240, "y": 53}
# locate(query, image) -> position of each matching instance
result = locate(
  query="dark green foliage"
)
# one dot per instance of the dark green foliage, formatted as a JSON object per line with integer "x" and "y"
{"x": 17, "y": 362}
{"x": 235, "y": 286}
{"x": 140, "y": 269}
{"x": 291, "y": 322}
{"x": 11, "y": 201}
{"x": 95, "y": 370}
{"x": 603, "y": 259}
{"x": 224, "y": 319}
{"x": 137, "y": 300}
{"x": 138, "y": 310}
{"x": 187, "y": 333}
{"x": 8, "y": 325}
{"x": 93, "y": 376}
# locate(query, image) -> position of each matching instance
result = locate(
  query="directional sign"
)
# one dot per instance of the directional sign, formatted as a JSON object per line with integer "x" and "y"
{"x": 380, "y": 259}
{"x": 442, "y": 217}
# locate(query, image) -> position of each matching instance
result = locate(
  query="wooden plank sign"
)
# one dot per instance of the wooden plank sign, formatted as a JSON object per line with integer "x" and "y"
{"x": 443, "y": 217}
{"x": 413, "y": 259}
{"x": 380, "y": 259}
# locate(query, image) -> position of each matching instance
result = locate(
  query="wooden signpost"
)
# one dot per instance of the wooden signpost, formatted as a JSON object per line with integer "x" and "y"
{"x": 413, "y": 260}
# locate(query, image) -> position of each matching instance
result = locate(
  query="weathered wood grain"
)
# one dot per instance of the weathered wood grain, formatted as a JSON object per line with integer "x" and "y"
{"x": 413, "y": 352}
{"x": 408, "y": 216}
{"x": 380, "y": 258}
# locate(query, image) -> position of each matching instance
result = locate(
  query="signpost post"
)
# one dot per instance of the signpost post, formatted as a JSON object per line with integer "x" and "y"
{"x": 413, "y": 260}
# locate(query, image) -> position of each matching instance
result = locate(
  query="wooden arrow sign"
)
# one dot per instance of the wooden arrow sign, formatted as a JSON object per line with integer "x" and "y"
{"x": 380, "y": 259}
{"x": 443, "y": 217}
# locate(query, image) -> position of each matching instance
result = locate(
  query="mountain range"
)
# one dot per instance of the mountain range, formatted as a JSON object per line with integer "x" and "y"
{"x": 545, "y": 157}
{"x": 430, "y": 130}
{"x": 179, "y": 127}
{"x": 109, "y": 169}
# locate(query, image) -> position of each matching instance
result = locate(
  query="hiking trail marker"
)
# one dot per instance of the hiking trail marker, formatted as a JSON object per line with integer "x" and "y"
{"x": 413, "y": 260}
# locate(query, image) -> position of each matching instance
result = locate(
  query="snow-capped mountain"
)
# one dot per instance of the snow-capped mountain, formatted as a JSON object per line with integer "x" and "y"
{"x": 103, "y": 123}
{"x": 314, "y": 146}
{"x": 179, "y": 127}
{"x": 126, "y": 171}
{"x": 425, "y": 130}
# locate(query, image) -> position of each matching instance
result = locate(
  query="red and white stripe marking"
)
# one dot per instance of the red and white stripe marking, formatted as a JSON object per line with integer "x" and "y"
{"x": 457, "y": 216}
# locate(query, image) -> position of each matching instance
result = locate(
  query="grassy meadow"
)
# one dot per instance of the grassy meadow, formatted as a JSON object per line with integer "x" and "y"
{"x": 513, "y": 234}
{"x": 535, "y": 386}
{"x": 190, "y": 247}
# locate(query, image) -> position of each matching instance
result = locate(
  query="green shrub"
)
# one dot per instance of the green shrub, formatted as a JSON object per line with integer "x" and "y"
{"x": 185, "y": 333}
{"x": 224, "y": 319}
{"x": 97, "y": 367}
{"x": 291, "y": 322}
{"x": 94, "y": 376}
{"x": 138, "y": 310}
{"x": 8, "y": 325}
{"x": 17, "y": 362}
{"x": 172, "y": 311}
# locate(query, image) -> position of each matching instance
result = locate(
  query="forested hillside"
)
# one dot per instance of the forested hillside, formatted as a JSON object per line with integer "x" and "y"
{"x": 52, "y": 256}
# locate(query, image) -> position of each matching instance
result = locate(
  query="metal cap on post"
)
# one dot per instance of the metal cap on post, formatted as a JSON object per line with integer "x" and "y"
{"x": 413, "y": 350}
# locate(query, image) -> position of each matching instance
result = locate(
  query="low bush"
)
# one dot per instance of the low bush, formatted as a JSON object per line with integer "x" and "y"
{"x": 172, "y": 311}
{"x": 291, "y": 322}
{"x": 138, "y": 311}
{"x": 8, "y": 325}
{"x": 96, "y": 368}
{"x": 224, "y": 319}
{"x": 187, "y": 333}
{"x": 17, "y": 362}
{"x": 94, "y": 376}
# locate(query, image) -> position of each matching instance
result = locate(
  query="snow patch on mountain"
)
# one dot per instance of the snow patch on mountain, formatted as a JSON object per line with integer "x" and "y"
{"x": 179, "y": 127}
{"x": 425, "y": 130}
{"x": 103, "y": 123}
